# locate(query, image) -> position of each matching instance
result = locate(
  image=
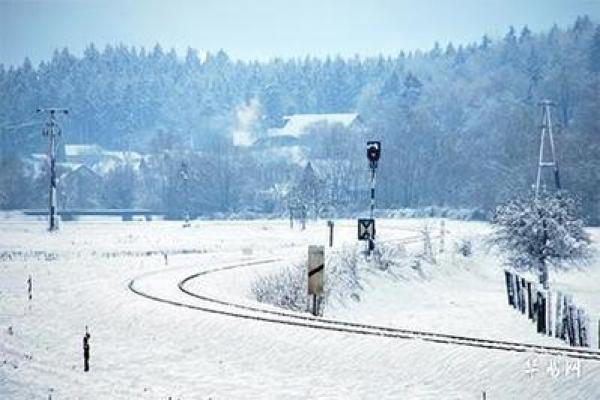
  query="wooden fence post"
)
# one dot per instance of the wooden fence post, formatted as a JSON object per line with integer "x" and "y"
{"x": 509, "y": 287}
{"x": 517, "y": 292}
{"x": 549, "y": 309}
{"x": 558, "y": 315}
{"x": 529, "y": 301}
{"x": 523, "y": 296}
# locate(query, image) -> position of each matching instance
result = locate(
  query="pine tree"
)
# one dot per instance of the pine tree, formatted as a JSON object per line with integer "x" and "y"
{"x": 595, "y": 52}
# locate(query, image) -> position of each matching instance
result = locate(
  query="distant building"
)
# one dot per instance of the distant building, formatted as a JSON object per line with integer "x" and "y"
{"x": 80, "y": 187}
{"x": 86, "y": 154}
{"x": 98, "y": 159}
{"x": 288, "y": 143}
{"x": 297, "y": 125}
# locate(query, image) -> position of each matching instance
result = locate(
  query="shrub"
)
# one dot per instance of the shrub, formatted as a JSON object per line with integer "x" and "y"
{"x": 534, "y": 231}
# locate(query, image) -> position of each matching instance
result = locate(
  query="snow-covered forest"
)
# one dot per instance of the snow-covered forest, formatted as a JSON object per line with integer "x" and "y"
{"x": 459, "y": 123}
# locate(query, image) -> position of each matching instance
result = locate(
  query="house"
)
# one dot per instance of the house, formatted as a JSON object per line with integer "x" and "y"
{"x": 79, "y": 187}
{"x": 86, "y": 154}
{"x": 297, "y": 125}
{"x": 98, "y": 159}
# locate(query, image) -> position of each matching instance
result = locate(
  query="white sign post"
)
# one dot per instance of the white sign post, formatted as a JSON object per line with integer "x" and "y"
{"x": 316, "y": 269}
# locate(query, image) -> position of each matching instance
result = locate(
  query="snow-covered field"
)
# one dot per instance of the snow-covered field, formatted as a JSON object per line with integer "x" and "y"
{"x": 146, "y": 349}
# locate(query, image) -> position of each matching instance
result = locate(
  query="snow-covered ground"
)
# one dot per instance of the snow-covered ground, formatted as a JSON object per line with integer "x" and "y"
{"x": 145, "y": 349}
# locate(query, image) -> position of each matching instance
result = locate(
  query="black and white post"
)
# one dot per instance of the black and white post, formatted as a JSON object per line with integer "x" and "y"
{"x": 53, "y": 132}
{"x": 316, "y": 270}
{"x": 373, "y": 154}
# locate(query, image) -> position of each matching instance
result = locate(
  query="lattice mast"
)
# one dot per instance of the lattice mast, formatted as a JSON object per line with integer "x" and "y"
{"x": 547, "y": 135}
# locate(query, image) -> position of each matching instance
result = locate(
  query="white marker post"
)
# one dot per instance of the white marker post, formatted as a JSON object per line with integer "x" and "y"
{"x": 442, "y": 234}
{"x": 316, "y": 269}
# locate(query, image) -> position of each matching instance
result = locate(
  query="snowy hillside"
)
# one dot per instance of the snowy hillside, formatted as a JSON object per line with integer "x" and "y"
{"x": 148, "y": 349}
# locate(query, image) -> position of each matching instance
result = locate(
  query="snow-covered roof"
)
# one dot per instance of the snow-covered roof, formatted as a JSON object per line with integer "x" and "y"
{"x": 71, "y": 168}
{"x": 297, "y": 124}
{"x": 39, "y": 156}
{"x": 123, "y": 155}
{"x": 82, "y": 149}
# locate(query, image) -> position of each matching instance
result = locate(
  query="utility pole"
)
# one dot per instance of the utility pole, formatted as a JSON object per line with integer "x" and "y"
{"x": 53, "y": 132}
{"x": 546, "y": 132}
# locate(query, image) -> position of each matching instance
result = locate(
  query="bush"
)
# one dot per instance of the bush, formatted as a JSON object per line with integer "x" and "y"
{"x": 287, "y": 288}
{"x": 464, "y": 247}
{"x": 534, "y": 231}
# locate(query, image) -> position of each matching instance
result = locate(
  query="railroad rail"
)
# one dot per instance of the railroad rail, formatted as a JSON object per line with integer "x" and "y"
{"x": 232, "y": 309}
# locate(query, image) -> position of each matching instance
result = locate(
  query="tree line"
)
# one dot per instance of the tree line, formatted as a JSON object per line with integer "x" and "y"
{"x": 459, "y": 124}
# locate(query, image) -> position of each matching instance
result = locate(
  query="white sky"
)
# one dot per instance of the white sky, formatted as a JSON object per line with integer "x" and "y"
{"x": 262, "y": 29}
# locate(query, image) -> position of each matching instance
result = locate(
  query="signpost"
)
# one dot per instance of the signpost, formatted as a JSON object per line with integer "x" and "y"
{"x": 316, "y": 267}
{"x": 366, "y": 228}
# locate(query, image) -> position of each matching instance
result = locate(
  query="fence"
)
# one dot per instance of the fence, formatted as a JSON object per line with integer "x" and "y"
{"x": 553, "y": 312}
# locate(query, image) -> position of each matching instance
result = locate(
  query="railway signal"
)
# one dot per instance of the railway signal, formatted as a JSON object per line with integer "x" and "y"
{"x": 373, "y": 154}
{"x": 53, "y": 132}
{"x": 366, "y": 227}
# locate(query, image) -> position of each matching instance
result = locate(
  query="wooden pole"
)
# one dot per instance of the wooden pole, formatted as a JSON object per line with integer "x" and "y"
{"x": 509, "y": 289}
{"x": 529, "y": 302}
{"x": 558, "y": 315}
{"x": 549, "y": 313}
{"x": 523, "y": 296}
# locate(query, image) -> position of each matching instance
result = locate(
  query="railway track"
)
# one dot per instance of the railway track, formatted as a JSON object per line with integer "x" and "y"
{"x": 228, "y": 308}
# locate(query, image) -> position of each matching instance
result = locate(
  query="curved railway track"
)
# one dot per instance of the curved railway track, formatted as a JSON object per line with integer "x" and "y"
{"x": 228, "y": 308}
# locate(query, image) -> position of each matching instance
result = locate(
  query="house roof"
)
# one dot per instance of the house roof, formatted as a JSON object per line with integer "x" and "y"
{"x": 123, "y": 155}
{"x": 297, "y": 124}
{"x": 74, "y": 168}
{"x": 82, "y": 149}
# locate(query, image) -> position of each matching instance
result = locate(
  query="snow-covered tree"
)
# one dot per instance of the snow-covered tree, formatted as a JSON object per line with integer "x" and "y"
{"x": 539, "y": 231}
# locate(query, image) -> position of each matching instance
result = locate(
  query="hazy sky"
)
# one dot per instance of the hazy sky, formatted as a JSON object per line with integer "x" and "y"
{"x": 262, "y": 29}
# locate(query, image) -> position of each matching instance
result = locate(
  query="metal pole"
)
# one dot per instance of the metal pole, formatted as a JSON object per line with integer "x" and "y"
{"x": 549, "y": 116}
{"x": 541, "y": 158}
{"x": 546, "y": 129}
{"x": 51, "y": 155}
{"x": 372, "y": 192}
